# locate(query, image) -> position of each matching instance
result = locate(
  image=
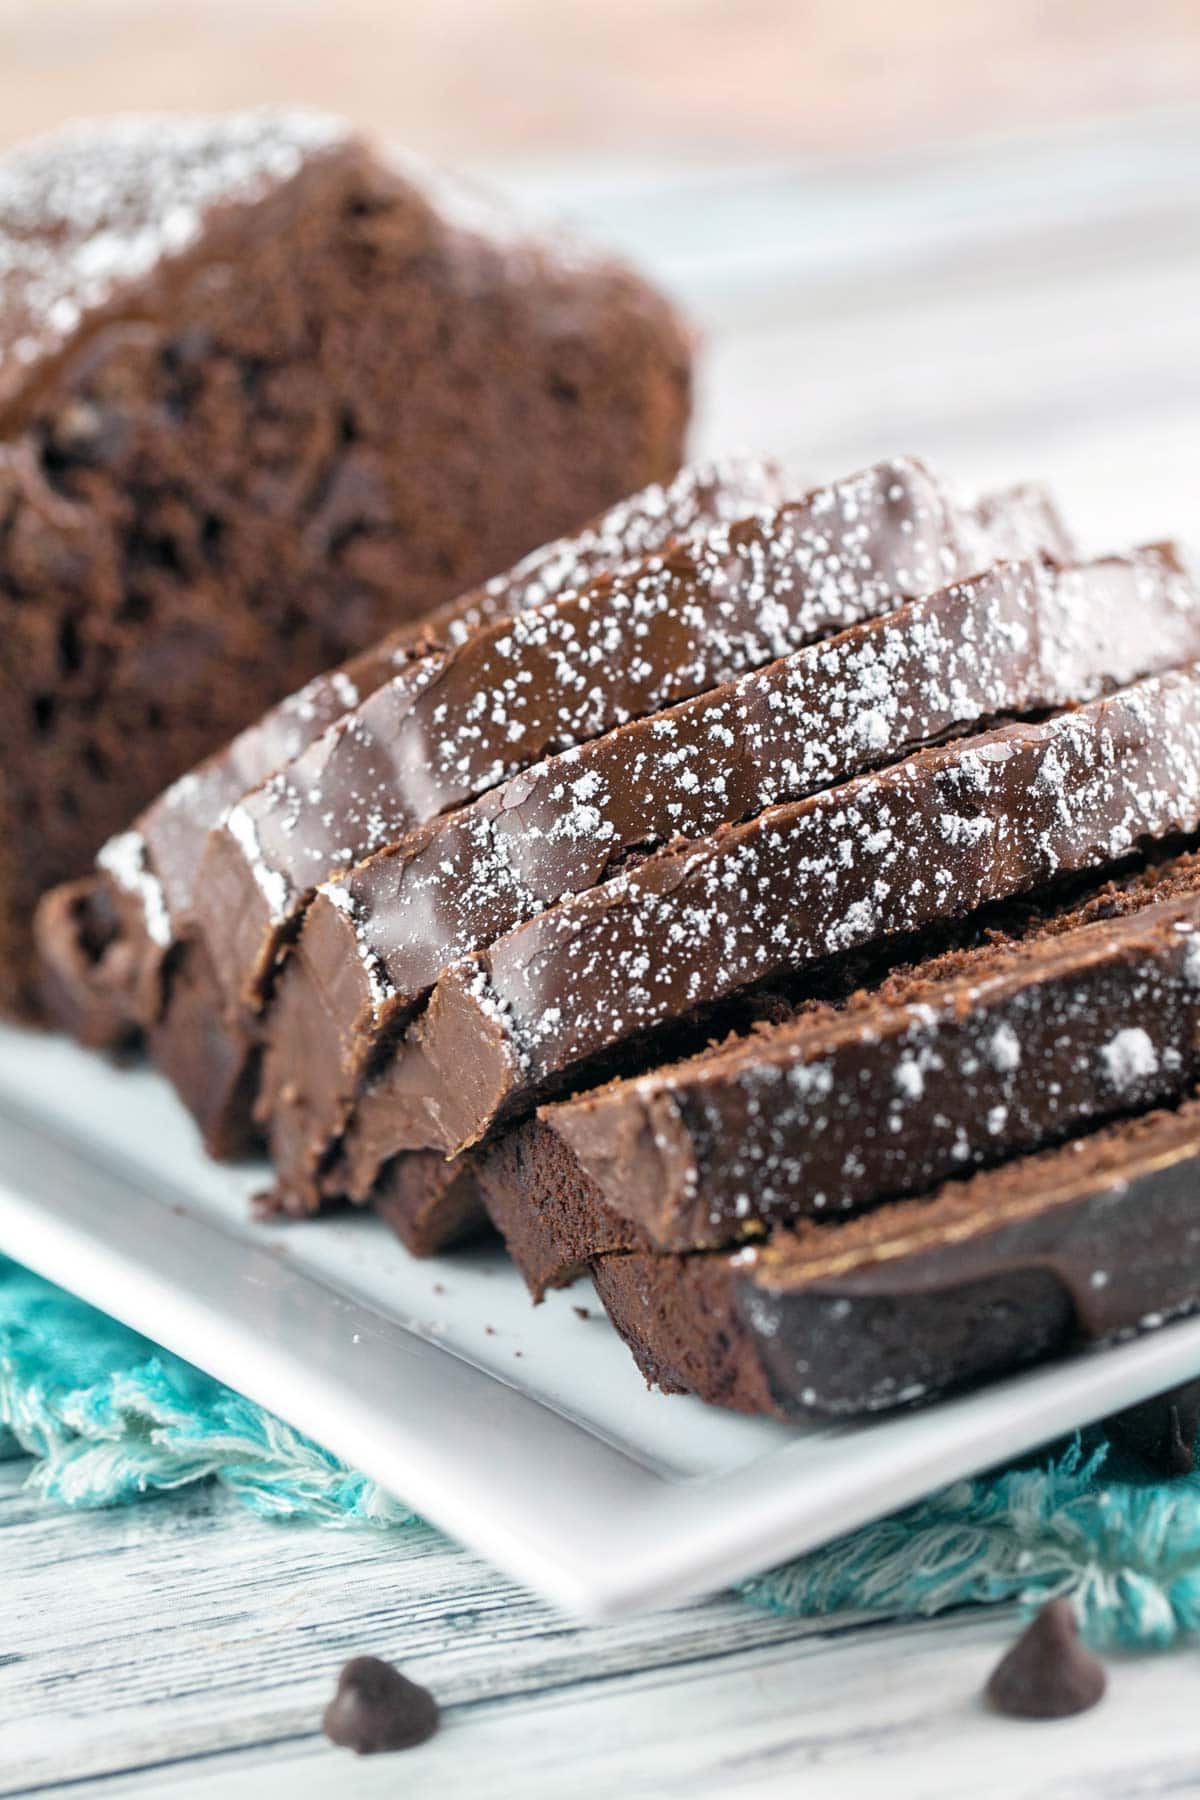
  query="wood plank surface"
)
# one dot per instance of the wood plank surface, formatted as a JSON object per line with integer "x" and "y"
{"x": 184, "y": 1650}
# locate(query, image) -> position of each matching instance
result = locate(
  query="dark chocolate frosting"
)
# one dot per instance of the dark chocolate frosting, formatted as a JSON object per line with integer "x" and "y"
{"x": 1020, "y": 638}
{"x": 1019, "y": 1045}
{"x": 1111, "y": 1220}
{"x": 622, "y": 647}
{"x": 934, "y": 837}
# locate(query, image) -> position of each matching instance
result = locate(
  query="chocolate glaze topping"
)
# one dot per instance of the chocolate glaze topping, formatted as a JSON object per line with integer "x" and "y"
{"x": 1020, "y": 638}
{"x": 937, "y": 836}
{"x": 702, "y": 496}
{"x": 1090, "y": 1012}
{"x": 1015, "y": 1045}
{"x": 571, "y": 669}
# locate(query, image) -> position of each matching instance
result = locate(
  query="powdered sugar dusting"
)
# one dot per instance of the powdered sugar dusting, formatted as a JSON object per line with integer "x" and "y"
{"x": 98, "y": 206}
{"x": 377, "y": 984}
{"x": 704, "y": 494}
{"x": 124, "y": 859}
{"x": 273, "y": 886}
{"x": 566, "y": 671}
{"x": 1004, "y": 1049}
{"x": 849, "y": 866}
{"x": 773, "y": 735}
{"x": 920, "y": 1088}
{"x": 1129, "y": 1057}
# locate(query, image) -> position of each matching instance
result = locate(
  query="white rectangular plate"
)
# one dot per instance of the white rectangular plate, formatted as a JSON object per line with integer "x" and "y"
{"x": 524, "y": 1432}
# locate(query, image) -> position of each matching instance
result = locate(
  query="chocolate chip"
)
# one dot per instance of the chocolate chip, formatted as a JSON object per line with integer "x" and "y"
{"x": 1048, "y": 1673}
{"x": 82, "y": 433}
{"x": 1162, "y": 1430}
{"x": 377, "y": 1708}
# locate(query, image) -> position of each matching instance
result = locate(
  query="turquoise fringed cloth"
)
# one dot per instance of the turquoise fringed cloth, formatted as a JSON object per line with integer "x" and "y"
{"x": 112, "y": 1418}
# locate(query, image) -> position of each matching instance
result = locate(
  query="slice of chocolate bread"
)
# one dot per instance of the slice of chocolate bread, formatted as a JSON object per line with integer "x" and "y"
{"x": 1021, "y": 638}
{"x": 937, "y": 836}
{"x": 263, "y": 394}
{"x": 956, "y": 1063}
{"x": 104, "y": 944}
{"x": 961, "y": 1061}
{"x": 788, "y": 574}
{"x": 1077, "y": 1245}
{"x": 88, "y": 967}
{"x": 570, "y": 670}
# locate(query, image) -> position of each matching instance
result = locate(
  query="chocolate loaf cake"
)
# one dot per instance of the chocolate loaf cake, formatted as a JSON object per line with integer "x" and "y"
{"x": 620, "y": 647}
{"x": 1080, "y": 1244}
{"x": 936, "y": 836}
{"x": 722, "y": 600}
{"x": 105, "y": 942}
{"x": 968, "y": 1058}
{"x": 1020, "y": 638}
{"x": 264, "y": 394}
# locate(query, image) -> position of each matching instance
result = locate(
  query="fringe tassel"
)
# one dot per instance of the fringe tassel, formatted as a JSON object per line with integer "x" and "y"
{"x": 1126, "y": 1552}
{"x": 111, "y": 1418}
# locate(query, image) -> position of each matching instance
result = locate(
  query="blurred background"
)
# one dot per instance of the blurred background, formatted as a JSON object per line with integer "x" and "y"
{"x": 678, "y": 78}
{"x": 946, "y": 226}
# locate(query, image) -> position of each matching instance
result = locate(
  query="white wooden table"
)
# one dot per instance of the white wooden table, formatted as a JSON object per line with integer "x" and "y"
{"x": 1009, "y": 309}
{"x": 184, "y": 1651}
